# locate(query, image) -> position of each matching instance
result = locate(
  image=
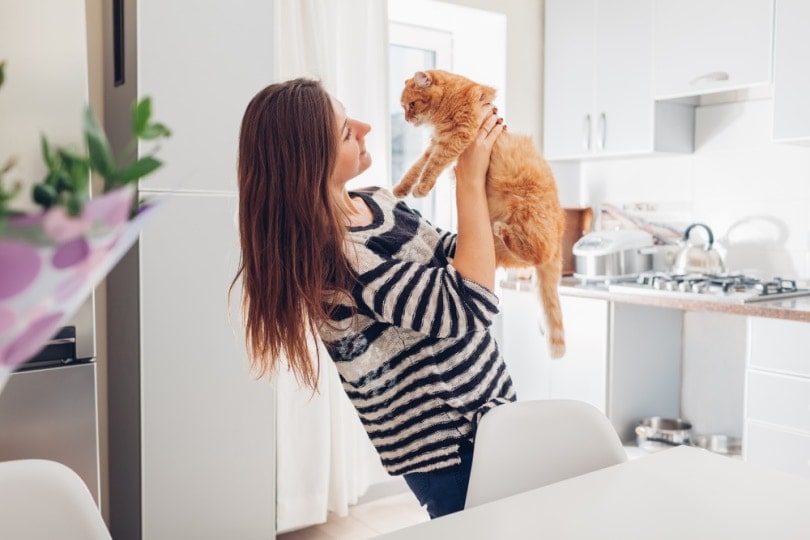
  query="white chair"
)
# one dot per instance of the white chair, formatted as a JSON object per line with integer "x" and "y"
{"x": 528, "y": 444}
{"x": 45, "y": 500}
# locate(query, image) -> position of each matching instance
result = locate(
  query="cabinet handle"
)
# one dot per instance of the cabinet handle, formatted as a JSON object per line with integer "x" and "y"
{"x": 602, "y": 131}
{"x": 710, "y": 77}
{"x": 586, "y": 133}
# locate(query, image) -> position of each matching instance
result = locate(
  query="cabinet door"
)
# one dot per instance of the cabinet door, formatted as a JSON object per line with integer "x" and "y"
{"x": 569, "y": 78}
{"x": 791, "y": 78}
{"x": 704, "y": 46}
{"x": 777, "y": 345}
{"x": 624, "y": 105}
{"x": 582, "y": 373}
{"x": 780, "y": 448}
{"x": 523, "y": 347}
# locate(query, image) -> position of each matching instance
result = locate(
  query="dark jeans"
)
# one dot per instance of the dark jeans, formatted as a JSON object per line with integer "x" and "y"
{"x": 444, "y": 491}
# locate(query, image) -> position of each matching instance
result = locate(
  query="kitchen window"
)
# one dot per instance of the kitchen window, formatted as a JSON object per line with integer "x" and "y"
{"x": 438, "y": 35}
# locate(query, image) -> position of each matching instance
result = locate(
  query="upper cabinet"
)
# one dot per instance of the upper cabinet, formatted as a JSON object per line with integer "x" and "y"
{"x": 704, "y": 46}
{"x": 791, "y": 76}
{"x": 598, "y": 83}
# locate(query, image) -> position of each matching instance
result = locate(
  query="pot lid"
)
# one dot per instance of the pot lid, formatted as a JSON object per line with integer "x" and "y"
{"x": 607, "y": 242}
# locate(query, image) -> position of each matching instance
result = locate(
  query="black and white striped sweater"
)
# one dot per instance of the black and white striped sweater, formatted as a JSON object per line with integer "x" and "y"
{"x": 420, "y": 366}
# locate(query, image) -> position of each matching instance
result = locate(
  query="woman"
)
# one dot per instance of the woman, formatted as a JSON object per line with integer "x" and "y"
{"x": 407, "y": 328}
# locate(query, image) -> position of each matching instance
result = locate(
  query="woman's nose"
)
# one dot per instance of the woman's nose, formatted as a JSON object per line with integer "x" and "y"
{"x": 362, "y": 128}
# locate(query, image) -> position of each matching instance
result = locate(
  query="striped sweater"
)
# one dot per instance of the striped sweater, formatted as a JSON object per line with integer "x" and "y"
{"x": 419, "y": 362}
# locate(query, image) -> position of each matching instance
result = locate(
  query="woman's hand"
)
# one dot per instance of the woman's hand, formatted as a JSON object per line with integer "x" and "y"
{"x": 475, "y": 246}
{"x": 472, "y": 165}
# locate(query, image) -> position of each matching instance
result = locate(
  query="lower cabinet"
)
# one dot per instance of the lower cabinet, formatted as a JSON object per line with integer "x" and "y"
{"x": 777, "y": 397}
{"x": 624, "y": 359}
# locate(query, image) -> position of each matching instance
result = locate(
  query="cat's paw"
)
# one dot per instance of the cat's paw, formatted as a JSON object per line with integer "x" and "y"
{"x": 497, "y": 228}
{"x": 421, "y": 190}
{"x": 401, "y": 190}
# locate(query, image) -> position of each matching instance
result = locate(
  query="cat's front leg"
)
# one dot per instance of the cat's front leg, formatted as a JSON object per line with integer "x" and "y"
{"x": 403, "y": 188}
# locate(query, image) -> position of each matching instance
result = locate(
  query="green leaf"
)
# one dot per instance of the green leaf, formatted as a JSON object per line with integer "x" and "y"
{"x": 153, "y": 131}
{"x": 101, "y": 160}
{"x": 136, "y": 170}
{"x": 2, "y": 70}
{"x": 44, "y": 195}
{"x": 141, "y": 112}
{"x": 48, "y": 156}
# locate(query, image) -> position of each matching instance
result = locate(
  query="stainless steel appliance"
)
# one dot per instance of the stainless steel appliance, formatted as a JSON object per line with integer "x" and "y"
{"x": 731, "y": 288}
{"x": 613, "y": 255}
{"x": 48, "y": 408}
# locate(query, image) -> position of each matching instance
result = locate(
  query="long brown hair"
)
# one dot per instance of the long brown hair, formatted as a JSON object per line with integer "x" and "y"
{"x": 291, "y": 229}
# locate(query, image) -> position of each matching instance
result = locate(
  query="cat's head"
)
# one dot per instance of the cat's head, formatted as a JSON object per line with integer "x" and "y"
{"x": 424, "y": 95}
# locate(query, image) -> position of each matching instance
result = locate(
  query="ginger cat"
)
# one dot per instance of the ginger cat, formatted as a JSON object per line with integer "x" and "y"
{"x": 527, "y": 220}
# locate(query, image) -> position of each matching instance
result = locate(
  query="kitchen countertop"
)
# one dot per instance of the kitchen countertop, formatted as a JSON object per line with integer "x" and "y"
{"x": 792, "y": 309}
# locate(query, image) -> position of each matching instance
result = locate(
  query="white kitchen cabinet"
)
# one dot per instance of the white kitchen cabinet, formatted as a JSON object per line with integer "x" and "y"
{"x": 581, "y": 374}
{"x": 623, "y": 359}
{"x": 791, "y": 78}
{"x": 705, "y": 46}
{"x": 777, "y": 395}
{"x": 598, "y": 72}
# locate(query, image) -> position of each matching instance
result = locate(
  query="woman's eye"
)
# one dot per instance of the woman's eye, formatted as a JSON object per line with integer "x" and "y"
{"x": 348, "y": 134}
{"x": 412, "y": 104}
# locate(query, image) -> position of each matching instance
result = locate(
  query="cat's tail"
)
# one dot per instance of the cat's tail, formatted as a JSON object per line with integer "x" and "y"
{"x": 548, "y": 279}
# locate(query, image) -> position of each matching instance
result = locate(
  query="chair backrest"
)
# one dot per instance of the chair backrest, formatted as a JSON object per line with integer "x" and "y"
{"x": 42, "y": 499}
{"x": 524, "y": 445}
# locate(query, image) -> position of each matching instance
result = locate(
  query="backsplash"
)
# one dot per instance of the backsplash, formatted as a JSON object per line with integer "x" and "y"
{"x": 752, "y": 192}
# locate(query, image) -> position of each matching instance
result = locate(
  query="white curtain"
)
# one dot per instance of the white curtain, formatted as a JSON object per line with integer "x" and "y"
{"x": 324, "y": 458}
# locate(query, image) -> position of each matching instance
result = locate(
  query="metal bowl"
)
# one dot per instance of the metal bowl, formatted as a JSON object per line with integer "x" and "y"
{"x": 718, "y": 443}
{"x": 656, "y": 433}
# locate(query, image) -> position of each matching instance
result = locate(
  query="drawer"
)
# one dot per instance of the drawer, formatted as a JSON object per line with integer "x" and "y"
{"x": 777, "y": 448}
{"x": 779, "y": 345}
{"x": 778, "y": 399}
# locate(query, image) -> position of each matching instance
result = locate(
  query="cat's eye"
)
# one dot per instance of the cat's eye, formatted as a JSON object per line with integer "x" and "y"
{"x": 412, "y": 104}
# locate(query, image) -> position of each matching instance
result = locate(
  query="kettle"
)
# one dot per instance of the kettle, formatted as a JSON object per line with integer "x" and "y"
{"x": 698, "y": 258}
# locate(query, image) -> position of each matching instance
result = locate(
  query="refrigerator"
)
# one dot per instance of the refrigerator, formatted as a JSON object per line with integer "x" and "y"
{"x": 191, "y": 432}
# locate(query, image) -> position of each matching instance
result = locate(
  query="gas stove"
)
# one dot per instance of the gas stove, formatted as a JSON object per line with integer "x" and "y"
{"x": 734, "y": 288}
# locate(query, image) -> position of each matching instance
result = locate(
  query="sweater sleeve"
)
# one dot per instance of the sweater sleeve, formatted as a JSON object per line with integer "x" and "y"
{"x": 434, "y": 301}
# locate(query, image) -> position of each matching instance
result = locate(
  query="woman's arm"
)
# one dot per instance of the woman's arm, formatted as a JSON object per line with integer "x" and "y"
{"x": 475, "y": 248}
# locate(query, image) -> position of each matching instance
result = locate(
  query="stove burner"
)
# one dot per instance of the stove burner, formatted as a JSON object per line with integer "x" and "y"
{"x": 723, "y": 285}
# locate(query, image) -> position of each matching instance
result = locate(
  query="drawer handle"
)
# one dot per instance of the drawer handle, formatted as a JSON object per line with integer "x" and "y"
{"x": 715, "y": 76}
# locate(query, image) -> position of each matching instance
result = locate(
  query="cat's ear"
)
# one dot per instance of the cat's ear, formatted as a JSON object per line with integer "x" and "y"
{"x": 422, "y": 79}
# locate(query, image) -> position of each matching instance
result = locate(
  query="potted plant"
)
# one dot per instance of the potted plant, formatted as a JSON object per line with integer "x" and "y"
{"x": 53, "y": 257}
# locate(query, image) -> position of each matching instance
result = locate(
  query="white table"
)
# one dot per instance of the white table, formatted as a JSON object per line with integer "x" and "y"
{"x": 683, "y": 493}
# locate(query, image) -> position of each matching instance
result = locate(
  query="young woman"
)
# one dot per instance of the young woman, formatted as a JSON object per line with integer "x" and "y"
{"x": 403, "y": 308}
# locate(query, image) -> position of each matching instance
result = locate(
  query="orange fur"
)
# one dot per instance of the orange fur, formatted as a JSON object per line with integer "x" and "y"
{"x": 527, "y": 220}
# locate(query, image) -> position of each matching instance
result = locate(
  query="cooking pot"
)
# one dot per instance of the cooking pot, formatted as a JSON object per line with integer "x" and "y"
{"x": 655, "y": 433}
{"x": 718, "y": 443}
{"x": 698, "y": 258}
{"x": 613, "y": 255}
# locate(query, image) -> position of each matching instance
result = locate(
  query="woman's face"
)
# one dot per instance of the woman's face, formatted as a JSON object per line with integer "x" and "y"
{"x": 352, "y": 158}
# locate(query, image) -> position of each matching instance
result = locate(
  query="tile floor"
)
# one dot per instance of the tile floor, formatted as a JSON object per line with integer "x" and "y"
{"x": 366, "y": 520}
